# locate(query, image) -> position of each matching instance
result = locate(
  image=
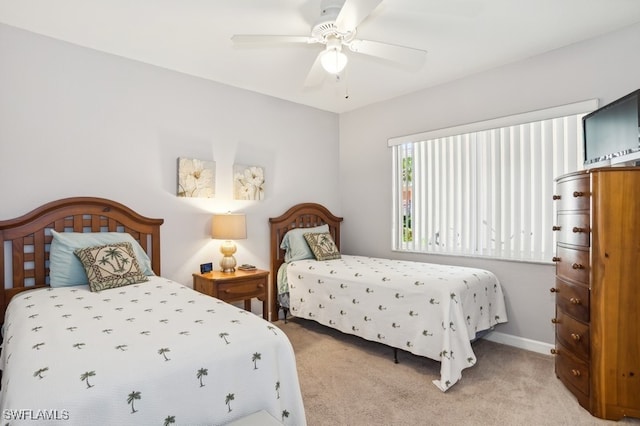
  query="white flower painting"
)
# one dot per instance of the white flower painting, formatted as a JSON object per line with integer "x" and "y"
{"x": 248, "y": 182}
{"x": 196, "y": 178}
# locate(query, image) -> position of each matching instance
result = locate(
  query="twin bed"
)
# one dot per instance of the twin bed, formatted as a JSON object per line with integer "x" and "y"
{"x": 427, "y": 309}
{"x": 141, "y": 349}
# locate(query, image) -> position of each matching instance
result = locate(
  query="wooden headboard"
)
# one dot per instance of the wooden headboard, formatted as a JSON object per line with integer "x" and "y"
{"x": 305, "y": 215}
{"x": 24, "y": 241}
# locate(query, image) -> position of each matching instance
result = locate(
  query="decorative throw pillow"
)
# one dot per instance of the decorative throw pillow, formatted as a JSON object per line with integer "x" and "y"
{"x": 322, "y": 246}
{"x": 110, "y": 266}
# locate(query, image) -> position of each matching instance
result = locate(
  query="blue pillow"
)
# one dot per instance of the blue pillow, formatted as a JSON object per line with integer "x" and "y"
{"x": 65, "y": 269}
{"x": 296, "y": 247}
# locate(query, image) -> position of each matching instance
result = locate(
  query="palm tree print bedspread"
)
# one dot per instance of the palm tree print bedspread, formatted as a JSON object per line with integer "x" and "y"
{"x": 427, "y": 309}
{"x": 150, "y": 353}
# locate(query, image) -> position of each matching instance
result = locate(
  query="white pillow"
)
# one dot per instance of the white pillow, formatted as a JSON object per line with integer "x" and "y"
{"x": 65, "y": 269}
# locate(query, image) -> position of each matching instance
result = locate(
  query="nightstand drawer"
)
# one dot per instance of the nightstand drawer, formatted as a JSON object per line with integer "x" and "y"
{"x": 236, "y": 286}
{"x": 242, "y": 289}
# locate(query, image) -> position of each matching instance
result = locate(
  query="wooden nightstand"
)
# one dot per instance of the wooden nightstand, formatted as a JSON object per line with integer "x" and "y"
{"x": 236, "y": 286}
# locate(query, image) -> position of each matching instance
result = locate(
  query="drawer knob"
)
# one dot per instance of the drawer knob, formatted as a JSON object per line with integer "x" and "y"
{"x": 576, "y": 337}
{"x": 577, "y": 266}
{"x": 574, "y": 300}
{"x": 555, "y": 259}
{"x": 554, "y": 320}
{"x": 553, "y": 290}
{"x": 555, "y": 228}
{"x": 554, "y": 351}
{"x": 577, "y": 229}
{"x": 577, "y": 194}
{"x": 557, "y": 197}
{"x": 575, "y": 372}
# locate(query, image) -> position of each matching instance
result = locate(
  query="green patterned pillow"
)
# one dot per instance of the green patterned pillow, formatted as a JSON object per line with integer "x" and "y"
{"x": 322, "y": 245}
{"x": 110, "y": 266}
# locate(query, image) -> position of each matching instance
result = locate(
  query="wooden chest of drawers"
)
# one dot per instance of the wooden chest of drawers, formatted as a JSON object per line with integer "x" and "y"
{"x": 597, "y": 289}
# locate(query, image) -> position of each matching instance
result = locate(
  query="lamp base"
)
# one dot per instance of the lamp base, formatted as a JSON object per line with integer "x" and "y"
{"x": 228, "y": 262}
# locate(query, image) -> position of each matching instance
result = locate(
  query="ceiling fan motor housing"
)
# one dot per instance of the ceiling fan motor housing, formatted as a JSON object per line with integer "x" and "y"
{"x": 325, "y": 26}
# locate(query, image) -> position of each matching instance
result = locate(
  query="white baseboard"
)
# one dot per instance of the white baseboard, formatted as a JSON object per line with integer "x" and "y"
{"x": 519, "y": 342}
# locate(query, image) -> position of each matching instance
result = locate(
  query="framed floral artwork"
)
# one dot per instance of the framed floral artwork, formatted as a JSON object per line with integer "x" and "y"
{"x": 196, "y": 178}
{"x": 248, "y": 182}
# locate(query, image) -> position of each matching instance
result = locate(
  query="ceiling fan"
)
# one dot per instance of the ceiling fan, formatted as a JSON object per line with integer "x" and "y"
{"x": 336, "y": 29}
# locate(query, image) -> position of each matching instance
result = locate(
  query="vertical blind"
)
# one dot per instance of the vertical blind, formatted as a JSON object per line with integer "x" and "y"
{"x": 486, "y": 192}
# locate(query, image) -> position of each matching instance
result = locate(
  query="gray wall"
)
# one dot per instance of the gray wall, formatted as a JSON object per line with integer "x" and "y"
{"x": 77, "y": 122}
{"x": 605, "y": 68}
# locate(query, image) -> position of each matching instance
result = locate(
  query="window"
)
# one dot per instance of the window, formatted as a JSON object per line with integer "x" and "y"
{"x": 485, "y": 189}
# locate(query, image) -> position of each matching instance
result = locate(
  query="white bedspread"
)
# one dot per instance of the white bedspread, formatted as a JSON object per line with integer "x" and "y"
{"x": 427, "y": 309}
{"x": 150, "y": 353}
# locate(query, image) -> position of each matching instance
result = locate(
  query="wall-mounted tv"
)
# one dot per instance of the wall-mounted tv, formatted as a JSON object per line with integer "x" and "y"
{"x": 612, "y": 133}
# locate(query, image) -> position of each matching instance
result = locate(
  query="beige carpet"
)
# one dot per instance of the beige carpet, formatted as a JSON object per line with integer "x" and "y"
{"x": 346, "y": 380}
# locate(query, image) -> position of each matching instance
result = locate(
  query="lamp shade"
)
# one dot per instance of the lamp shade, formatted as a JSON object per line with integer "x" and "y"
{"x": 229, "y": 226}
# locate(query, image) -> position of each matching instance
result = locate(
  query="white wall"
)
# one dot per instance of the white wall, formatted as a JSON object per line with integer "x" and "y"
{"x": 77, "y": 122}
{"x": 606, "y": 68}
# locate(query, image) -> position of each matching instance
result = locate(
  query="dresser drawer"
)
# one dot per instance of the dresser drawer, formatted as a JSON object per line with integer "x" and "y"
{"x": 573, "y": 334}
{"x": 573, "y": 193}
{"x": 572, "y": 370}
{"x": 573, "y": 228}
{"x": 572, "y": 299}
{"x": 572, "y": 265}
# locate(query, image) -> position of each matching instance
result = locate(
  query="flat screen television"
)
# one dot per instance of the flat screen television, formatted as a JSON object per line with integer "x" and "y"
{"x": 611, "y": 134}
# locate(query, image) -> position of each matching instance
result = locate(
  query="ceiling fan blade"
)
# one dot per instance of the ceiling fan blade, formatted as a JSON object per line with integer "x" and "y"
{"x": 267, "y": 39}
{"x": 391, "y": 52}
{"x": 354, "y": 12}
{"x": 316, "y": 74}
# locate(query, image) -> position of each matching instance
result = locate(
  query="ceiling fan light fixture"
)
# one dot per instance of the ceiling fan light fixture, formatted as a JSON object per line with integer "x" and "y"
{"x": 333, "y": 60}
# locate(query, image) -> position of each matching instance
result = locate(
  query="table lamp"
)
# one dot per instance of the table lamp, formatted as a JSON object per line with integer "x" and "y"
{"x": 228, "y": 227}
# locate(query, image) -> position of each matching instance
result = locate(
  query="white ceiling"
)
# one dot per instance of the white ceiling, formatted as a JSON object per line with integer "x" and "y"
{"x": 462, "y": 37}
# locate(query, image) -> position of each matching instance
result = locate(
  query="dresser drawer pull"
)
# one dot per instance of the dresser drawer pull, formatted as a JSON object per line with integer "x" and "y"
{"x": 553, "y": 290}
{"x": 575, "y": 372}
{"x": 574, "y": 300}
{"x": 577, "y": 194}
{"x": 577, "y": 229}
{"x": 555, "y": 320}
{"x": 555, "y": 259}
{"x": 577, "y": 266}
{"x": 555, "y": 228}
{"x": 554, "y": 351}
{"x": 576, "y": 337}
{"x": 557, "y": 197}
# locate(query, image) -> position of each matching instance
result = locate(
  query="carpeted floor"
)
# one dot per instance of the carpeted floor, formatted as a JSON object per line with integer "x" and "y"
{"x": 346, "y": 380}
